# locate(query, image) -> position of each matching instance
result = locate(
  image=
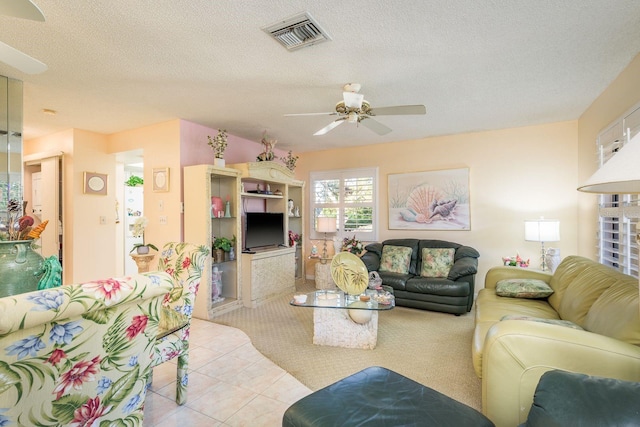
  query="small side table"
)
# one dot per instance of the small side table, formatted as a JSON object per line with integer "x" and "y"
{"x": 143, "y": 261}
{"x": 323, "y": 275}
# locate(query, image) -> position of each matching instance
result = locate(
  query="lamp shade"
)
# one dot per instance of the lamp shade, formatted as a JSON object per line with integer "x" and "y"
{"x": 542, "y": 230}
{"x": 326, "y": 224}
{"x": 620, "y": 174}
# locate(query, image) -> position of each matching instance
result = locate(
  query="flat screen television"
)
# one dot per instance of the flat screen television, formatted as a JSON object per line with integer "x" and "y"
{"x": 263, "y": 229}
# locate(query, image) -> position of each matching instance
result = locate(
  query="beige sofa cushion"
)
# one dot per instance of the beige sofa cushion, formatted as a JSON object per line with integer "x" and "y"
{"x": 565, "y": 274}
{"x": 616, "y": 313}
{"x": 583, "y": 291}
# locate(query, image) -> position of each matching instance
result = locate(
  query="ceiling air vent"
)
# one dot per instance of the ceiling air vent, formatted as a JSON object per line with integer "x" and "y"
{"x": 297, "y": 31}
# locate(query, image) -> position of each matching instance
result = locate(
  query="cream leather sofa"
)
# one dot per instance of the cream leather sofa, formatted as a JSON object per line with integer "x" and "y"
{"x": 510, "y": 356}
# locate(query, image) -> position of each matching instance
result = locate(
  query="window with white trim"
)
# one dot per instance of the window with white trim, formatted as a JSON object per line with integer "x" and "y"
{"x": 351, "y": 196}
{"x": 618, "y": 214}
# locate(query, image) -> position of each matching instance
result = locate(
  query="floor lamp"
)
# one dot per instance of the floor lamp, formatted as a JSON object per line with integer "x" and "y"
{"x": 619, "y": 175}
{"x": 326, "y": 224}
{"x": 542, "y": 230}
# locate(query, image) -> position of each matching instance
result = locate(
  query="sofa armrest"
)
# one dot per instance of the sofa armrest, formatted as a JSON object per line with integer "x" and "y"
{"x": 463, "y": 267}
{"x": 495, "y": 274}
{"x": 371, "y": 261}
{"x": 27, "y": 310}
{"x": 376, "y": 248}
{"x": 594, "y": 401}
{"x": 517, "y": 353}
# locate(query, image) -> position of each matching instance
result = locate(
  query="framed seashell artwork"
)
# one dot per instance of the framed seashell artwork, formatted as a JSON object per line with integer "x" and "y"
{"x": 429, "y": 200}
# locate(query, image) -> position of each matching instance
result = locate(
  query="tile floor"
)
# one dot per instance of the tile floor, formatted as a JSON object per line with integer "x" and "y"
{"x": 230, "y": 384}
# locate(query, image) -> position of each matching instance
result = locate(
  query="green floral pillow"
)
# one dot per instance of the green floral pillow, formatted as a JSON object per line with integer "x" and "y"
{"x": 523, "y": 288}
{"x": 395, "y": 259}
{"x": 558, "y": 322}
{"x": 436, "y": 262}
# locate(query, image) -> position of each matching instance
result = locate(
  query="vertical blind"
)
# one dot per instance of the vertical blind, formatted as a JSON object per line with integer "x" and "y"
{"x": 618, "y": 213}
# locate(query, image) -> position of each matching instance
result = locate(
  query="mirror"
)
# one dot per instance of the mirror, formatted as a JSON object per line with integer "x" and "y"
{"x": 10, "y": 143}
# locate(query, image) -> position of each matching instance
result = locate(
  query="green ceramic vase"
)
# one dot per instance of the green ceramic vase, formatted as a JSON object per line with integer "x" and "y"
{"x": 20, "y": 267}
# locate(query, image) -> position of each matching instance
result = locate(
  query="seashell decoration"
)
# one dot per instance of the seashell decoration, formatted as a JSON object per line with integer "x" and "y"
{"x": 421, "y": 200}
{"x": 427, "y": 203}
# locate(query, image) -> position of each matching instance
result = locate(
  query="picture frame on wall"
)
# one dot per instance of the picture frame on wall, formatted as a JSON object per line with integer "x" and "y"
{"x": 161, "y": 180}
{"x": 95, "y": 183}
{"x": 429, "y": 200}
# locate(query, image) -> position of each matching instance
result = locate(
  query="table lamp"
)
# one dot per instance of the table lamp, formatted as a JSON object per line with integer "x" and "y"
{"x": 325, "y": 224}
{"x": 619, "y": 175}
{"x": 542, "y": 230}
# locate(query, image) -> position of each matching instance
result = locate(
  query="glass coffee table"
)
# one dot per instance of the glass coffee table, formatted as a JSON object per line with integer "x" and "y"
{"x": 342, "y": 320}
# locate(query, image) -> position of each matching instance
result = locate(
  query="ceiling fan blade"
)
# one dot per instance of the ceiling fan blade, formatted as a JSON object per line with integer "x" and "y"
{"x": 20, "y": 61}
{"x": 352, "y": 99}
{"x": 375, "y": 126}
{"x": 24, "y": 9}
{"x": 399, "y": 110}
{"x": 312, "y": 114}
{"x": 329, "y": 127}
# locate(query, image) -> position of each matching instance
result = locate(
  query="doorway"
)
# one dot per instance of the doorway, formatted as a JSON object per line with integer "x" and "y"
{"x": 130, "y": 202}
{"x": 43, "y": 192}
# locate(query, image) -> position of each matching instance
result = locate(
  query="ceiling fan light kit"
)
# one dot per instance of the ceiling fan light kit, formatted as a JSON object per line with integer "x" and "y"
{"x": 355, "y": 109}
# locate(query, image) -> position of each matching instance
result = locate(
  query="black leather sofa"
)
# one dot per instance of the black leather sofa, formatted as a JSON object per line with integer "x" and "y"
{"x": 453, "y": 294}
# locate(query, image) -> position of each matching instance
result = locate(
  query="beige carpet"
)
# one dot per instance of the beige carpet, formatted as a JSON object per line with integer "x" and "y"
{"x": 433, "y": 349}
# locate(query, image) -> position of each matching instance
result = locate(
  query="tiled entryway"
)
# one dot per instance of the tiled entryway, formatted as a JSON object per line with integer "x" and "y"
{"x": 230, "y": 384}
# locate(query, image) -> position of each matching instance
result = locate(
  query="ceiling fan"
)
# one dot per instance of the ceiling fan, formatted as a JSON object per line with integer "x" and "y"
{"x": 24, "y": 9}
{"x": 355, "y": 109}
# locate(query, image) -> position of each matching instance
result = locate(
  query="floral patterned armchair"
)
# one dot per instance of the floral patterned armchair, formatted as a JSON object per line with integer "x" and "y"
{"x": 79, "y": 354}
{"x": 184, "y": 262}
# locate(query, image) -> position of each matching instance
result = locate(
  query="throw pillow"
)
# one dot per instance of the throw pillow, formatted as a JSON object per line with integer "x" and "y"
{"x": 395, "y": 259}
{"x": 436, "y": 262}
{"x": 523, "y": 288}
{"x": 558, "y": 322}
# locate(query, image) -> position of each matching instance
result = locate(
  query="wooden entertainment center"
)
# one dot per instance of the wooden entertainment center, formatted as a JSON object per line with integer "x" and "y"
{"x": 250, "y": 278}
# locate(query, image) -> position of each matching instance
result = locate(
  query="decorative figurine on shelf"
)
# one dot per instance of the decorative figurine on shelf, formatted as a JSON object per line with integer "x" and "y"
{"x": 216, "y": 285}
{"x": 290, "y": 161}
{"x": 227, "y": 209}
{"x": 269, "y": 144}
{"x": 290, "y": 207}
{"x": 314, "y": 251}
{"x": 297, "y": 213}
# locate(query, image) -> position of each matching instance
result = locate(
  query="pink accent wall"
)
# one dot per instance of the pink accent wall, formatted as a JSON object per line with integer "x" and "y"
{"x": 194, "y": 149}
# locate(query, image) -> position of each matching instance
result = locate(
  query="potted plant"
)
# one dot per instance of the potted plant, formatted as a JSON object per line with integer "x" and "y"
{"x": 222, "y": 245}
{"x": 290, "y": 161}
{"x": 134, "y": 181}
{"x": 137, "y": 230}
{"x": 218, "y": 144}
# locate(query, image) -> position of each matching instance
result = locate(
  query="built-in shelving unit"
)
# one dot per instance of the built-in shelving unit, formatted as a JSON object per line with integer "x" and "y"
{"x": 201, "y": 182}
{"x": 272, "y": 272}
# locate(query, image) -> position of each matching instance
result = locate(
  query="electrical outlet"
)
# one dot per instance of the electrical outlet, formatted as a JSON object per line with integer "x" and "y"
{"x": 103, "y": 220}
{"x": 163, "y": 220}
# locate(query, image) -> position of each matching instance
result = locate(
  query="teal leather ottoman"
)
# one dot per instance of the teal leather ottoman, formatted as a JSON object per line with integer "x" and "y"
{"x": 377, "y": 397}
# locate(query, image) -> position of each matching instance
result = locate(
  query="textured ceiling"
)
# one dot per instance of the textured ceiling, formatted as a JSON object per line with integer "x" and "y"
{"x": 475, "y": 64}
